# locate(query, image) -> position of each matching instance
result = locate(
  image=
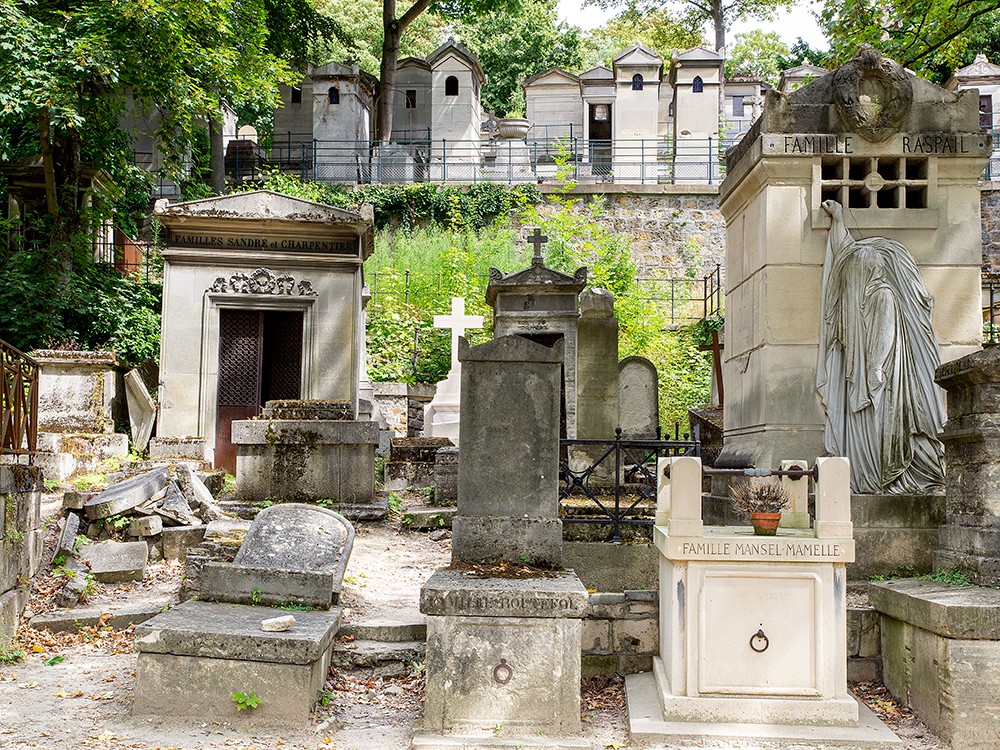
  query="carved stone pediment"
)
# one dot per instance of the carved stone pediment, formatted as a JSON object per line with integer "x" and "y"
{"x": 262, "y": 281}
{"x": 873, "y": 95}
{"x": 536, "y": 279}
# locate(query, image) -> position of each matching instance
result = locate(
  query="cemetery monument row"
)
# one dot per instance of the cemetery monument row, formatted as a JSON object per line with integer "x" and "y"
{"x": 902, "y": 157}
{"x": 262, "y": 297}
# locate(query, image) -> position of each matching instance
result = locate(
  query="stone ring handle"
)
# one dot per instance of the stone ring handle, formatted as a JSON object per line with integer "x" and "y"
{"x": 502, "y": 672}
{"x": 756, "y": 638}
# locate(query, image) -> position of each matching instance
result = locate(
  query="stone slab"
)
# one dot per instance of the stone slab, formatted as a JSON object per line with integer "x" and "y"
{"x": 232, "y": 631}
{"x": 177, "y": 540}
{"x": 122, "y": 616}
{"x": 226, "y": 582}
{"x": 646, "y": 725}
{"x": 424, "y": 519}
{"x": 145, "y": 526}
{"x": 117, "y": 562}
{"x": 451, "y": 592}
{"x": 451, "y": 742}
{"x": 951, "y": 611}
{"x": 141, "y": 409}
{"x": 167, "y": 447}
{"x": 386, "y": 631}
{"x": 605, "y": 566}
{"x": 303, "y": 432}
{"x": 169, "y": 685}
{"x": 300, "y": 409}
{"x": 75, "y": 500}
{"x": 69, "y": 527}
{"x": 126, "y": 495}
{"x": 502, "y": 539}
{"x": 12, "y": 604}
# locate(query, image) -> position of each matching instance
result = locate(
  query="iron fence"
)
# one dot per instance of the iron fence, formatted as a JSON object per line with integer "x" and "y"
{"x": 18, "y": 402}
{"x": 991, "y": 311}
{"x": 604, "y": 472}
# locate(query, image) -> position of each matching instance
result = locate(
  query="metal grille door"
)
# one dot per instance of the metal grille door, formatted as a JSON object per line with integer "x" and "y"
{"x": 239, "y": 378}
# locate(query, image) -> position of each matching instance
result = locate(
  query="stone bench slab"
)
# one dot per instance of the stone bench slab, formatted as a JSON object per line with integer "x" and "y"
{"x": 232, "y": 631}
{"x": 951, "y": 611}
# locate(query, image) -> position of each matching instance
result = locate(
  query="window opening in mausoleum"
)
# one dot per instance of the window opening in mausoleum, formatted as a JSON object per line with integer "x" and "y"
{"x": 985, "y": 113}
{"x": 875, "y": 182}
{"x": 333, "y": 95}
{"x": 296, "y": 95}
{"x": 451, "y": 86}
{"x": 411, "y": 98}
{"x": 697, "y": 85}
{"x": 637, "y": 82}
{"x": 737, "y": 106}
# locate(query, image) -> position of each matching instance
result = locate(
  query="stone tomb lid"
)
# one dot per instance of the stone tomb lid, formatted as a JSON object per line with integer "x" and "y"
{"x": 965, "y": 612}
{"x": 460, "y": 592}
{"x": 296, "y": 536}
{"x": 232, "y": 631}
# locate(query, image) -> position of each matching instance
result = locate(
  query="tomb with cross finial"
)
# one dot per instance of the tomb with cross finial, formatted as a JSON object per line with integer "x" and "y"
{"x": 441, "y": 415}
{"x": 543, "y": 305}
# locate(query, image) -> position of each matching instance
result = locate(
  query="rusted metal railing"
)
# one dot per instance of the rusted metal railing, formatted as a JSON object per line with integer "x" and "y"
{"x": 18, "y": 402}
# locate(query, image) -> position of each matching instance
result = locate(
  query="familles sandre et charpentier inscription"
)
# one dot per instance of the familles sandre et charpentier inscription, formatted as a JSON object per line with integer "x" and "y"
{"x": 798, "y": 550}
{"x": 262, "y": 243}
{"x": 846, "y": 144}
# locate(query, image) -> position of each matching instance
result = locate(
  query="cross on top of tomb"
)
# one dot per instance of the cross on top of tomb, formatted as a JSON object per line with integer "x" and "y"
{"x": 537, "y": 239}
{"x": 458, "y": 322}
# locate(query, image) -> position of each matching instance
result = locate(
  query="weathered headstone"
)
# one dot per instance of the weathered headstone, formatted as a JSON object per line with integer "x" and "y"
{"x": 141, "y": 410}
{"x": 69, "y": 528}
{"x": 126, "y": 495}
{"x": 117, "y": 562}
{"x": 597, "y": 366}
{"x": 638, "y": 398}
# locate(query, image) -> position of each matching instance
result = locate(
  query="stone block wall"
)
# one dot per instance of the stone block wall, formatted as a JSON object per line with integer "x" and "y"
{"x": 20, "y": 541}
{"x": 418, "y": 396}
{"x": 990, "y": 202}
{"x": 621, "y": 633}
{"x": 393, "y": 402}
{"x": 864, "y": 647}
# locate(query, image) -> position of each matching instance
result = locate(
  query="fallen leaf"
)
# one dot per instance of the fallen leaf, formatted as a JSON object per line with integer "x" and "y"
{"x": 38, "y": 649}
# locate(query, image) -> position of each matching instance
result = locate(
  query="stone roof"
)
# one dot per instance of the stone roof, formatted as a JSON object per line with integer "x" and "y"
{"x": 981, "y": 69}
{"x": 570, "y": 78}
{"x": 458, "y": 49}
{"x": 536, "y": 279}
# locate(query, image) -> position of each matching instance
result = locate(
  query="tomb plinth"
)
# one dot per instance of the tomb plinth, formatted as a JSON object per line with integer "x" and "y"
{"x": 752, "y": 627}
{"x": 504, "y": 624}
{"x": 306, "y": 451}
{"x": 907, "y": 170}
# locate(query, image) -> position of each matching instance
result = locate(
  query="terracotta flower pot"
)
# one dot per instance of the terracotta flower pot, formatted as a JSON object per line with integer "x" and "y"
{"x": 765, "y": 524}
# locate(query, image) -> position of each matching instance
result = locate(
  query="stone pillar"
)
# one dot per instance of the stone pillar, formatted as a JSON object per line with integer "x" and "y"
{"x": 597, "y": 366}
{"x": 508, "y": 486}
{"x": 970, "y": 538}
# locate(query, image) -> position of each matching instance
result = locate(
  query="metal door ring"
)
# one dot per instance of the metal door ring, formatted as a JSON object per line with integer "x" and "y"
{"x": 759, "y": 636}
{"x": 505, "y": 669}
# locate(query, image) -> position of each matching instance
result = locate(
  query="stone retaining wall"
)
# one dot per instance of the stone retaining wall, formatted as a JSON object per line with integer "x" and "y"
{"x": 21, "y": 537}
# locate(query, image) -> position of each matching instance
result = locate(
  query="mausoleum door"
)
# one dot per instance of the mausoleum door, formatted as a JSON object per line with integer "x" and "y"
{"x": 600, "y": 139}
{"x": 260, "y": 360}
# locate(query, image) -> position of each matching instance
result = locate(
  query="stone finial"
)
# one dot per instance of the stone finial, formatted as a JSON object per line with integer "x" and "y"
{"x": 833, "y": 499}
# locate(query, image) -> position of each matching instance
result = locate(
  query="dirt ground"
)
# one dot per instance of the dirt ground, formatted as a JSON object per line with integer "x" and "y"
{"x": 73, "y": 690}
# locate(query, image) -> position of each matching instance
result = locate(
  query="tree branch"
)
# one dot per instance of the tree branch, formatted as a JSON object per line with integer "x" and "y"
{"x": 415, "y": 10}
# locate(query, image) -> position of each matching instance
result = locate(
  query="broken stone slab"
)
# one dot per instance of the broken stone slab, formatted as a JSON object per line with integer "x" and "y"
{"x": 174, "y": 508}
{"x": 69, "y": 527}
{"x": 118, "y": 562}
{"x": 145, "y": 526}
{"x": 121, "y": 616}
{"x": 75, "y": 500}
{"x": 297, "y": 409}
{"x": 77, "y": 584}
{"x": 214, "y": 480}
{"x": 198, "y": 496}
{"x": 227, "y": 582}
{"x": 126, "y": 495}
{"x": 277, "y": 624}
{"x": 227, "y": 530}
{"x": 172, "y": 446}
{"x": 423, "y": 519}
{"x": 141, "y": 409}
{"x": 177, "y": 540}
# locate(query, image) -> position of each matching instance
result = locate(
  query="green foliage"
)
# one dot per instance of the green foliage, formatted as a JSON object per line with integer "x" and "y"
{"x": 952, "y": 576}
{"x": 10, "y": 654}
{"x": 756, "y": 53}
{"x": 802, "y": 54}
{"x": 255, "y": 597}
{"x": 513, "y": 46}
{"x": 661, "y": 29}
{"x": 246, "y": 701}
{"x": 53, "y": 660}
{"x": 925, "y": 36}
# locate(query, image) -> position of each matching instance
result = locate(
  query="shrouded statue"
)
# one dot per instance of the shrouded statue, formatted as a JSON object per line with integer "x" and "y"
{"x": 877, "y": 358}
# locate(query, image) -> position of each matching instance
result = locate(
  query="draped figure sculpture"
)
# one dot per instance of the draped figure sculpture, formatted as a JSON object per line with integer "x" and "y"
{"x": 877, "y": 357}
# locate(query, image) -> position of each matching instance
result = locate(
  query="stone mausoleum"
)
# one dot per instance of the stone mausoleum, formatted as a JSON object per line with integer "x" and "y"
{"x": 262, "y": 301}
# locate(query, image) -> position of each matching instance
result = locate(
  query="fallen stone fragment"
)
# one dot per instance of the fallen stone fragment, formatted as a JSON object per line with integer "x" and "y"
{"x": 145, "y": 526}
{"x": 126, "y": 495}
{"x": 69, "y": 528}
{"x": 200, "y": 500}
{"x": 114, "y": 562}
{"x": 75, "y": 500}
{"x": 178, "y": 539}
{"x": 439, "y": 535}
{"x": 277, "y": 624}
{"x": 175, "y": 510}
{"x": 77, "y": 584}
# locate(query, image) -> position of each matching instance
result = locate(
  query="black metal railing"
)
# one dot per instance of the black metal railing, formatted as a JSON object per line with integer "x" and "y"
{"x": 18, "y": 402}
{"x": 619, "y": 477}
{"x": 991, "y": 311}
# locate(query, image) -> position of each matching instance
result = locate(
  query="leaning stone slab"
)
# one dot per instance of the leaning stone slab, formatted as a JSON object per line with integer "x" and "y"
{"x": 459, "y": 593}
{"x": 198, "y": 496}
{"x": 114, "y": 562}
{"x": 177, "y": 540}
{"x": 126, "y": 495}
{"x": 267, "y": 587}
{"x": 175, "y": 509}
{"x": 69, "y": 528}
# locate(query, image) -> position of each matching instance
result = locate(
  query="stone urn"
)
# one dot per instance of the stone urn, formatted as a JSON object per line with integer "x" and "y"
{"x": 513, "y": 128}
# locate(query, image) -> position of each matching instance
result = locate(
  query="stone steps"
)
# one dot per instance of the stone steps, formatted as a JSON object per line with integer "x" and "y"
{"x": 385, "y": 631}
{"x": 393, "y": 656}
{"x": 428, "y": 519}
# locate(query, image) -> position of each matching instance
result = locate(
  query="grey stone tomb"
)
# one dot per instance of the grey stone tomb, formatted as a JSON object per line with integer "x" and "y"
{"x": 293, "y": 554}
{"x": 503, "y": 652}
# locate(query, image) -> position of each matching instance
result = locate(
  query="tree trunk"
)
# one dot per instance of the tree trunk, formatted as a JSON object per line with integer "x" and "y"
{"x": 217, "y": 156}
{"x": 48, "y": 168}
{"x": 392, "y": 31}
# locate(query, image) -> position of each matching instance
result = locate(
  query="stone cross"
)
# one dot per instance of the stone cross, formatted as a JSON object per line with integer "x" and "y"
{"x": 537, "y": 239}
{"x": 716, "y": 348}
{"x": 458, "y": 322}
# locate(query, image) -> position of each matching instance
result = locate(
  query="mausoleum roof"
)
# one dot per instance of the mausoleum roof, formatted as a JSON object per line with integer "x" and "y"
{"x": 981, "y": 69}
{"x": 637, "y": 53}
{"x": 536, "y": 279}
{"x": 600, "y": 73}
{"x": 554, "y": 72}
{"x": 457, "y": 49}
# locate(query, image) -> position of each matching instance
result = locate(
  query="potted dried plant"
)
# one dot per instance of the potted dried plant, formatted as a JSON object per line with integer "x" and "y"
{"x": 763, "y": 499}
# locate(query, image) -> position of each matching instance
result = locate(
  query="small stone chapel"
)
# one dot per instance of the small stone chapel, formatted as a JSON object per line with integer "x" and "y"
{"x": 262, "y": 300}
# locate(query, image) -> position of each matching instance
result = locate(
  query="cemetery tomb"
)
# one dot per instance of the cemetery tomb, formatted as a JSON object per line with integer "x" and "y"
{"x": 262, "y": 301}
{"x": 752, "y": 627}
{"x": 441, "y": 415}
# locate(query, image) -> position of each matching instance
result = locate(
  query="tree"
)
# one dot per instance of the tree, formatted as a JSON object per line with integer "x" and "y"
{"x": 661, "y": 30}
{"x": 393, "y": 27}
{"x": 756, "y": 53}
{"x": 918, "y": 34}
{"x": 516, "y": 46}
{"x": 802, "y": 54}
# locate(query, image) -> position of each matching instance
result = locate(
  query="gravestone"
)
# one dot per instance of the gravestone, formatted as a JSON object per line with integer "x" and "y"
{"x": 597, "y": 366}
{"x": 503, "y": 651}
{"x": 638, "y": 399}
{"x": 293, "y": 553}
{"x": 541, "y": 304}
{"x": 441, "y": 415}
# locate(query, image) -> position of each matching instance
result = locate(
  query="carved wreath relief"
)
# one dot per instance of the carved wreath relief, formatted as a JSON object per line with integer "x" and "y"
{"x": 262, "y": 281}
{"x": 873, "y": 95}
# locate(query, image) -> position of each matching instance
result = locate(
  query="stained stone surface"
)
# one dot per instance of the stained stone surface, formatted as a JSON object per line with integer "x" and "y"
{"x": 453, "y": 592}
{"x": 299, "y": 409}
{"x": 114, "y": 562}
{"x": 67, "y": 535}
{"x": 126, "y": 495}
{"x": 638, "y": 399}
{"x": 293, "y": 536}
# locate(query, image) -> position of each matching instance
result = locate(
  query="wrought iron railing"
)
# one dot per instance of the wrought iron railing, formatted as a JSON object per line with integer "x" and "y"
{"x": 18, "y": 402}
{"x": 618, "y": 476}
{"x": 991, "y": 311}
